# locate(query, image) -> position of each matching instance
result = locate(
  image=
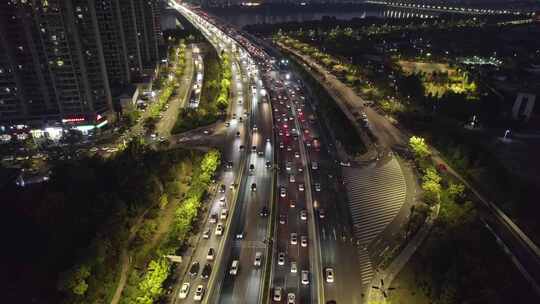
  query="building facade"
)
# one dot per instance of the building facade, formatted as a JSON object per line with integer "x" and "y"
{"x": 61, "y": 59}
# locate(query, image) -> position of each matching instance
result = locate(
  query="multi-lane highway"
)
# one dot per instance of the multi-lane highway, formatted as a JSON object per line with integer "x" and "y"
{"x": 314, "y": 254}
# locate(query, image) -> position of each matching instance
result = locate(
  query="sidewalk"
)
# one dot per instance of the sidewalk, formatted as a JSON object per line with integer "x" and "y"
{"x": 387, "y": 275}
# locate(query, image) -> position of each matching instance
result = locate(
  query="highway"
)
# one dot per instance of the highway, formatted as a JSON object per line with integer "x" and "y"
{"x": 246, "y": 230}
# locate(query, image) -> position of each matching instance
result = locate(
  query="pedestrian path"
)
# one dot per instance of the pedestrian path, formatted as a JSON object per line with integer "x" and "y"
{"x": 366, "y": 270}
{"x": 375, "y": 195}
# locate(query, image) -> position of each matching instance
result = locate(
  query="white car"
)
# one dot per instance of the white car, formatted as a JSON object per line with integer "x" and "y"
{"x": 345, "y": 164}
{"x": 258, "y": 259}
{"x": 219, "y": 229}
{"x": 210, "y": 255}
{"x": 277, "y": 294}
{"x": 234, "y": 267}
{"x": 291, "y": 298}
{"x": 301, "y": 187}
{"x": 206, "y": 234}
{"x": 294, "y": 267}
{"x": 296, "y": 155}
{"x": 283, "y": 192}
{"x": 292, "y": 179}
{"x": 184, "y": 291}
{"x": 303, "y": 241}
{"x": 224, "y": 213}
{"x": 305, "y": 277}
{"x": 199, "y": 293}
{"x": 303, "y": 215}
{"x": 329, "y": 275}
{"x": 314, "y": 165}
{"x": 294, "y": 238}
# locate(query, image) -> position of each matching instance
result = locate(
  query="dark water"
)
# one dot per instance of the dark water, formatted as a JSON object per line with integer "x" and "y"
{"x": 246, "y": 16}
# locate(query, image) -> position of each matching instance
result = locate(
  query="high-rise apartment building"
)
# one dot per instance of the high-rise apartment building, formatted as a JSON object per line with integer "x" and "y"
{"x": 61, "y": 59}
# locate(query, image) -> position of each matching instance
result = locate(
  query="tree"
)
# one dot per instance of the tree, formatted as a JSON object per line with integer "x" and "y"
{"x": 456, "y": 192}
{"x": 419, "y": 147}
{"x": 74, "y": 280}
{"x": 432, "y": 186}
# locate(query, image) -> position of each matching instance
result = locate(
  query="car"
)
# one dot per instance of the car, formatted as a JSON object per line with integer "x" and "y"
{"x": 283, "y": 192}
{"x": 281, "y": 145}
{"x": 303, "y": 241}
{"x": 268, "y": 164}
{"x": 260, "y": 152}
{"x": 292, "y": 179}
{"x": 254, "y": 187}
{"x": 206, "y": 132}
{"x": 264, "y": 211}
{"x": 277, "y": 294}
{"x": 282, "y": 219}
{"x": 291, "y": 298}
{"x": 255, "y": 128}
{"x": 296, "y": 154}
{"x": 289, "y": 148}
{"x": 213, "y": 218}
{"x": 229, "y": 165}
{"x": 294, "y": 267}
{"x": 240, "y": 235}
{"x": 281, "y": 259}
{"x": 206, "y": 234}
{"x": 317, "y": 187}
{"x": 238, "y": 134}
{"x": 288, "y": 166}
{"x": 219, "y": 229}
{"x": 234, "y": 116}
{"x": 292, "y": 204}
{"x": 251, "y": 167}
{"x": 301, "y": 187}
{"x": 329, "y": 275}
{"x": 224, "y": 213}
{"x": 258, "y": 259}
{"x": 322, "y": 213}
{"x": 345, "y": 163}
{"x": 294, "y": 238}
{"x": 184, "y": 291}
{"x": 253, "y": 148}
{"x": 303, "y": 215}
{"x": 241, "y": 148}
{"x": 199, "y": 293}
{"x": 305, "y": 277}
{"x": 205, "y": 274}
{"x": 268, "y": 139}
{"x": 314, "y": 165}
{"x": 240, "y": 119}
{"x": 194, "y": 269}
{"x": 227, "y": 124}
{"x": 222, "y": 201}
{"x": 211, "y": 254}
{"x": 234, "y": 267}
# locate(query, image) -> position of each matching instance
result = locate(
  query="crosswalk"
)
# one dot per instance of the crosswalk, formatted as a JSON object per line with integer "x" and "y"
{"x": 375, "y": 195}
{"x": 366, "y": 271}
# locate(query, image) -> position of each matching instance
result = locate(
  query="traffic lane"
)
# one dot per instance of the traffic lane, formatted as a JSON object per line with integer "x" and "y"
{"x": 248, "y": 288}
{"x": 246, "y": 284}
{"x": 204, "y": 244}
{"x": 304, "y": 263}
{"x": 232, "y": 153}
{"x": 295, "y": 224}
